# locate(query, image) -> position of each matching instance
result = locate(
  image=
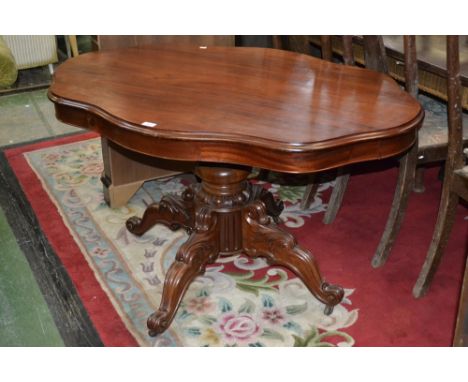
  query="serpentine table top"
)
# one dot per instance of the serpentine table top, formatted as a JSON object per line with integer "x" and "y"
{"x": 252, "y": 106}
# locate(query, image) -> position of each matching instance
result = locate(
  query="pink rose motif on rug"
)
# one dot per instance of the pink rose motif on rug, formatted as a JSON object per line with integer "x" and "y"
{"x": 238, "y": 328}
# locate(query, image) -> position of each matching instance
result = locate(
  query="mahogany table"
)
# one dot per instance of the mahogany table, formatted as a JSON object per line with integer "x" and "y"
{"x": 229, "y": 109}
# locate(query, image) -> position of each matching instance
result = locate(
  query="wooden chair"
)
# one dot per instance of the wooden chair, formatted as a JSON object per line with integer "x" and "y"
{"x": 455, "y": 183}
{"x": 432, "y": 147}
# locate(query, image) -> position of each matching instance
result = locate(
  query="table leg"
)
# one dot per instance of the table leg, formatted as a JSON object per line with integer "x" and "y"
{"x": 226, "y": 216}
{"x": 200, "y": 249}
{"x": 172, "y": 211}
{"x": 263, "y": 238}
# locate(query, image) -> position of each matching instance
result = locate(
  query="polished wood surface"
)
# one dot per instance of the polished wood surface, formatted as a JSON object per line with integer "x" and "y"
{"x": 253, "y": 106}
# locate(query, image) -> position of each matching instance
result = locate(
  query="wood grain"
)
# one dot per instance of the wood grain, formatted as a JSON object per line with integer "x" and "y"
{"x": 252, "y": 106}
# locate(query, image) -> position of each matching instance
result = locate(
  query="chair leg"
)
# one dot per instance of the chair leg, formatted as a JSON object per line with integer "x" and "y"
{"x": 419, "y": 180}
{"x": 74, "y": 45}
{"x": 68, "y": 47}
{"x": 336, "y": 197}
{"x": 445, "y": 220}
{"x": 309, "y": 193}
{"x": 399, "y": 204}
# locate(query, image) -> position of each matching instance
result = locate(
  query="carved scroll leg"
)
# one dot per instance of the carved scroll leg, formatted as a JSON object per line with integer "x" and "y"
{"x": 399, "y": 204}
{"x": 172, "y": 211}
{"x": 201, "y": 249}
{"x": 274, "y": 207}
{"x": 263, "y": 238}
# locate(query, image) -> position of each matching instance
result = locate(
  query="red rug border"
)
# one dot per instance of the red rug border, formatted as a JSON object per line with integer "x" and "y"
{"x": 102, "y": 313}
{"x": 390, "y": 272}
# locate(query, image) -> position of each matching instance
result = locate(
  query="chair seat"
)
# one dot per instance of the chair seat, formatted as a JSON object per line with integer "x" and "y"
{"x": 434, "y": 131}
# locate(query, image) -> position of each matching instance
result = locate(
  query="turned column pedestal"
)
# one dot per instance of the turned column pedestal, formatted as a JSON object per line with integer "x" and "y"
{"x": 225, "y": 215}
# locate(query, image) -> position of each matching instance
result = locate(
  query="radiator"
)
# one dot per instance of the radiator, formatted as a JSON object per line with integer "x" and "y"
{"x": 32, "y": 51}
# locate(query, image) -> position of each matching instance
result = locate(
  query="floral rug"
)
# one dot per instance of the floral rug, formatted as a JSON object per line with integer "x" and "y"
{"x": 237, "y": 302}
{"x": 242, "y": 302}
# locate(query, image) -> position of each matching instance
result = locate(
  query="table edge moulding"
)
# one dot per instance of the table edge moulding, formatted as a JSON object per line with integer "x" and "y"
{"x": 197, "y": 144}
